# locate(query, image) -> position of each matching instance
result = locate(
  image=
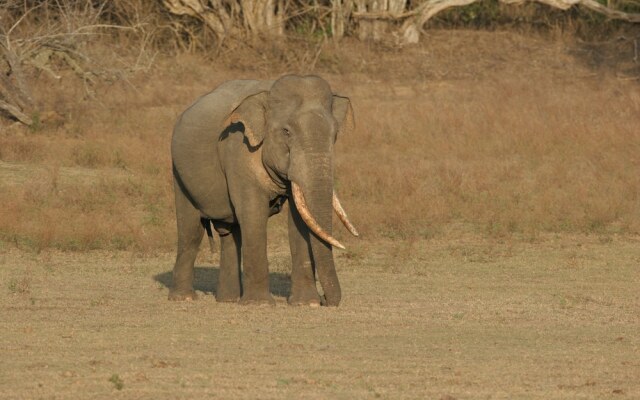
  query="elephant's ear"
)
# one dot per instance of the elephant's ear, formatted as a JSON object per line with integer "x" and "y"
{"x": 343, "y": 113}
{"x": 252, "y": 114}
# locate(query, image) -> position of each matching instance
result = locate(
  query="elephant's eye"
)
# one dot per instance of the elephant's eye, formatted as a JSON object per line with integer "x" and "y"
{"x": 286, "y": 132}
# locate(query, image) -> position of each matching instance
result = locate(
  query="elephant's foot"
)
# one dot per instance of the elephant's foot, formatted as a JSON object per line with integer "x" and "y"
{"x": 227, "y": 297}
{"x": 308, "y": 298}
{"x": 260, "y": 299}
{"x": 228, "y": 292}
{"x": 182, "y": 295}
{"x": 331, "y": 302}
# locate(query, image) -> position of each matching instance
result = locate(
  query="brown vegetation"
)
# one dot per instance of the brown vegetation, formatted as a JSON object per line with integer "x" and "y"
{"x": 524, "y": 148}
{"x": 496, "y": 132}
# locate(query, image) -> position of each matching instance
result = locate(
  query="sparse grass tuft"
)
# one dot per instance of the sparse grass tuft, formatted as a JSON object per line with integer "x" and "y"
{"x": 19, "y": 286}
{"x": 118, "y": 383}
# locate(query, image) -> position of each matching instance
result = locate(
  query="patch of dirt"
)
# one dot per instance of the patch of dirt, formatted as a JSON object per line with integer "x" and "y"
{"x": 428, "y": 323}
{"x": 17, "y": 174}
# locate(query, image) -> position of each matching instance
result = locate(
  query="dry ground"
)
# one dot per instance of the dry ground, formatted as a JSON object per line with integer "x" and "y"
{"x": 494, "y": 179}
{"x": 469, "y": 318}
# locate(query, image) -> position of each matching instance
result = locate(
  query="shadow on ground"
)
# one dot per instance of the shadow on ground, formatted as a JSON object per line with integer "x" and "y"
{"x": 206, "y": 280}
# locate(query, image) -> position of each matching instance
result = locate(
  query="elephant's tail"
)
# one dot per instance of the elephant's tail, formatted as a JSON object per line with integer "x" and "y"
{"x": 206, "y": 224}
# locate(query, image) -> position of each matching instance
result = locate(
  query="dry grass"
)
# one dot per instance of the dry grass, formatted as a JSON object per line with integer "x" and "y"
{"x": 505, "y": 156}
{"x": 465, "y": 318}
{"x": 500, "y": 133}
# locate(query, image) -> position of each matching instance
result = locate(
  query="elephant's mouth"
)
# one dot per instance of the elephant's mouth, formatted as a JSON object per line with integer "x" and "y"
{"x": 307, "y": 217}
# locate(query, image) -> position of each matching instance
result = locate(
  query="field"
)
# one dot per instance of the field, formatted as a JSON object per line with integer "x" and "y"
{"x": 457, "y": 319}
{"x": 494, "y": 178}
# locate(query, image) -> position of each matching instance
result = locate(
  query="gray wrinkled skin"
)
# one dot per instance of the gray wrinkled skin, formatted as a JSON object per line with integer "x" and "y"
{"x": 235, "y": 152}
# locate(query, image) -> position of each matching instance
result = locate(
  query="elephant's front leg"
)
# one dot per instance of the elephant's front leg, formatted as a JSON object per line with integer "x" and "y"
{"x": 253, "y": 228}
{"x": 303, "y": 280}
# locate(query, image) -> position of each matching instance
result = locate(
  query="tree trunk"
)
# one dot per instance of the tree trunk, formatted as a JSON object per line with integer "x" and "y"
{"x": 15, "y": 98}
{"x": 377, "y": 29}
{"x": 264, "y": 18}
{"x": 340, "y": 13}
{"x": 377, "y": 18}
{"x": 211, "y": 12}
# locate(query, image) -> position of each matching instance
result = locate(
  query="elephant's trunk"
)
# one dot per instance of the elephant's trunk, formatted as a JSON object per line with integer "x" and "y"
{"x": 313, "y": 201}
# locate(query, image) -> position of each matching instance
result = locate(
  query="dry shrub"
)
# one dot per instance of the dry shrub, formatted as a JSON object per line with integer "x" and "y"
{"x": 88, "y": 41}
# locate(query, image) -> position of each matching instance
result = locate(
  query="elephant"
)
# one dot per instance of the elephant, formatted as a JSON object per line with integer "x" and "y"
{"x": 238, "y": 154}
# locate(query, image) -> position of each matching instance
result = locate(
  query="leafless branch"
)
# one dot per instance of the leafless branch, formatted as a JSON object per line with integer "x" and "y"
{"x": 413, "y": 20}
{"x": 41, "y": 42}
{"x": 16, "y": 113}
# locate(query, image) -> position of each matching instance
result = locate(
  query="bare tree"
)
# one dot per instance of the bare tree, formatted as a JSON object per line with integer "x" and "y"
{"x": 377, "y": 27}
{"x": 340, "y": 13}
{"x": 15, "y": 96}
{"x": 237, "y": 17}
{"x": 399, "y": 20}
{"x": 409, "y": 22}
{"x": 212, "y": 13}
{"x": 45, "y": 35}
{"x": 264, "y": 17}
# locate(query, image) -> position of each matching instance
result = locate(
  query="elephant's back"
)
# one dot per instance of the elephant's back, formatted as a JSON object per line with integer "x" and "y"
{"x": 214, "y": 107}
{"x": 194, "y": 144}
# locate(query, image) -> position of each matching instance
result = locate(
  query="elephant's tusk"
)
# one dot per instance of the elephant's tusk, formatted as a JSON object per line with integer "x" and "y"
{"x": 301, "y": 205}
{"x": 337, "y": 207}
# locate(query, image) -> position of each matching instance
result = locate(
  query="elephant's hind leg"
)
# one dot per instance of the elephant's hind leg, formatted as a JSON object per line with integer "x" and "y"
{"x": 190, "y": 232}
{"x": 229, "y": 279}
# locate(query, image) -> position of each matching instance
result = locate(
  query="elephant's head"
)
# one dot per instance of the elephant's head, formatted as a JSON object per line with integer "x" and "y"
{"x": 296, "y": 123}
